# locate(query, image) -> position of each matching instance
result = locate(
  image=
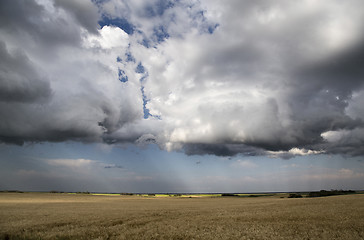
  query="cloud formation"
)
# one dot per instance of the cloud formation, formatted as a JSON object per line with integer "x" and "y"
{"x": 203, "y": 77}
{"x": 59, "y": 74}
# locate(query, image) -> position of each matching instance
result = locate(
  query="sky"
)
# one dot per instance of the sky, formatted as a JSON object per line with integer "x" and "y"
{"x": 181, "y": 95}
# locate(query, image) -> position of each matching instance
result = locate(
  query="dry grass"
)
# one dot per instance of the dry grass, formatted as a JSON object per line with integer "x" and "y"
{"x": 65, "y": 216}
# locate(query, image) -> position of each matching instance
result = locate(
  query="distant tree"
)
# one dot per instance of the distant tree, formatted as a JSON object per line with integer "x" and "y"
{"x": 54, "y": 191}
{"x": 294, "y": 195}
{"x": 127, "y": 194}
{"x": 229, "y": 195}
{"x": 253, "y": 195}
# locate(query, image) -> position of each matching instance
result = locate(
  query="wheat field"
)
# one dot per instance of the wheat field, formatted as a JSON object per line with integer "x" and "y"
{"x": 81, "y": 216}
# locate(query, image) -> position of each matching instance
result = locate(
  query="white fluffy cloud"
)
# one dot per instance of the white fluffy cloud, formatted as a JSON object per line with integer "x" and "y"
{"x": 109, "y": 37}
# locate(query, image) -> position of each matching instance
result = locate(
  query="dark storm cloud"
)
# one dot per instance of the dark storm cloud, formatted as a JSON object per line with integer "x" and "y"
{"x": 342, "y": 72}
{"x": 319, "y": 98}
{"x": 25, "y": 19}
{"x": 84, "y": 11}
{"x": 333, "y": 80}
{"x": 54, "y": 85}
{"x": 15, "y": 15}
{"x": 222, "y": 150}
{"x": 22, "y": 122}
{"x": 19, "y": 82}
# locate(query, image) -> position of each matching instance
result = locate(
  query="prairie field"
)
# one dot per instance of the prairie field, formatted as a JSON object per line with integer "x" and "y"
{"x": 87, "y": 216}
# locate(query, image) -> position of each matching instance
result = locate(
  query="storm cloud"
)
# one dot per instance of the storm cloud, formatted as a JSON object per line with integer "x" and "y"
{"x": 202, "y": 77}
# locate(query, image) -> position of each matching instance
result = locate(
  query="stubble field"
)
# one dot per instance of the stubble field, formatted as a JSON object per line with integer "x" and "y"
{"x": 79, "y": 216}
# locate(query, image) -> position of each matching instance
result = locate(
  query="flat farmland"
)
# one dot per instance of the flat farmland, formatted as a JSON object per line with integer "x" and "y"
{"x": 82, "y": 216}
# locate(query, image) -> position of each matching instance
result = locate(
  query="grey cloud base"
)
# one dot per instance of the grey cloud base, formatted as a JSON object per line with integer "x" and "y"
{"x": 218, "y": 78}
{"x": 55, "y": 87}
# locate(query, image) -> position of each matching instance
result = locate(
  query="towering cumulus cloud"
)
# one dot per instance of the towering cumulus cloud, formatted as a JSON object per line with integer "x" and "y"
{"x": 204, "y": 77}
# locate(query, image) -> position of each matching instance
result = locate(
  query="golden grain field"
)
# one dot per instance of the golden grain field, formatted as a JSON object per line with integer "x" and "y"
{"x": 78, "y": 216}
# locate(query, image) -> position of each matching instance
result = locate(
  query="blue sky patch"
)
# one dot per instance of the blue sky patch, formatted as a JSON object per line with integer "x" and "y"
{"x": 122, "y": 76}
{"x": 129, "y": 57}
{"x": 140, "y": 68}
{"x": 145, "y": 43}
{"x": 212, "y": 28}
{"x": 160, "y": 33}
{"x": 157, "y": 9}
{"x": 118, "y": 22}
{"x": 145, "y": 101}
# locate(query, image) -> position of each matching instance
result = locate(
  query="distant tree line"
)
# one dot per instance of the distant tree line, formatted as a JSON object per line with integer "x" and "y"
{"x": 11, "y": 191}
{"x": 324, "y": 193}
{"x": 54, "y": 191}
